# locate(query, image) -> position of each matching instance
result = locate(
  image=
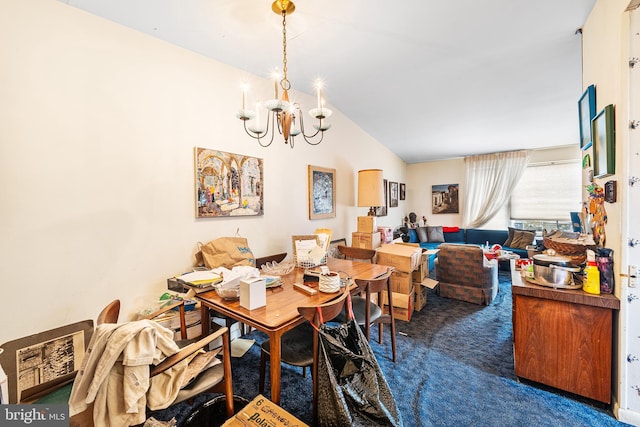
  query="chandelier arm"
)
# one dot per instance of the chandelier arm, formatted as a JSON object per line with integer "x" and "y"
{"x": 257, "y": 135}
{"x": 308, "y": 141}
{"x": 308, "y": 138}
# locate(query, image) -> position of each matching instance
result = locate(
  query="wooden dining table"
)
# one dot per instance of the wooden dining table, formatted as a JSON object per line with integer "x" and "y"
{"x": 281, "y": 311}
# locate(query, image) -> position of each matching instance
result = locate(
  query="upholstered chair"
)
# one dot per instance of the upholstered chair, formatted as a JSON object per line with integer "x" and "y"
{"x": 465, "y": 274}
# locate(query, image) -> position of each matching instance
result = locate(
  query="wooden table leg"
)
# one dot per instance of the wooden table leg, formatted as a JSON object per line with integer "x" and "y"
{"x": 274, "y": 365}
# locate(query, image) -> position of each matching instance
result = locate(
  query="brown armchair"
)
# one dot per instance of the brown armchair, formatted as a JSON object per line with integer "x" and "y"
{"x": 465, "y": 274}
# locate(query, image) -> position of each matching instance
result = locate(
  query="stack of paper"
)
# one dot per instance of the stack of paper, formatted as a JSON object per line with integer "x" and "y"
{"x": 200, "y": 279}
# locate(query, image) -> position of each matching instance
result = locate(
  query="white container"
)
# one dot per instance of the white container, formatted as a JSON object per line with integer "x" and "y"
{"x": 253, "y": 293}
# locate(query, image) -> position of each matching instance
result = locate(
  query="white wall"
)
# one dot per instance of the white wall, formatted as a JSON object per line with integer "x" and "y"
{"x": 97, "y": 129}
{"x": 421, "y": 176}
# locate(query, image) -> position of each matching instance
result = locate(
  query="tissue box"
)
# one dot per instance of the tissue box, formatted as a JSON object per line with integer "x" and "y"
{"x": 253, "y": 293}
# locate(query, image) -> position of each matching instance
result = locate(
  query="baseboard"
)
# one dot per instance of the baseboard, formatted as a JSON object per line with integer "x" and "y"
{"x": 627, "y": 416}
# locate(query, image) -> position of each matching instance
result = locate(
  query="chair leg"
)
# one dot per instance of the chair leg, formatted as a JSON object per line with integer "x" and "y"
{"x": 380, "y": 330}
{"x": 263, "y": 362}
{"x": 393, "y": 340}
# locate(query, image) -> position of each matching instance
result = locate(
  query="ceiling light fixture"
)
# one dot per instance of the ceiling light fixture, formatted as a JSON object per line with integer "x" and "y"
{"x": 281, "y": 113}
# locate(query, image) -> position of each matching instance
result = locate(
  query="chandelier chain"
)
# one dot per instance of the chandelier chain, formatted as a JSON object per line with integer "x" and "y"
{"x": 285, "y": 81}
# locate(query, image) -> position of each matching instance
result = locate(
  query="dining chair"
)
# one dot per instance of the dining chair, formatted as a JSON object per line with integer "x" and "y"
{"x": 110, "y": 313}
{"x": 367, "y": 312}
{"x": 216, "y": 378}
{"x": 360, "y": 254}
{"x": 299, "y": 346}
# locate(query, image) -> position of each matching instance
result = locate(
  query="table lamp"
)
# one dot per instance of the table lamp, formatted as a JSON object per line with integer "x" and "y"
{"x": 370, "y": 189}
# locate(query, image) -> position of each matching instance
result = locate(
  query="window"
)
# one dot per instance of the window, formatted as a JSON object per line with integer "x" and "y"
{"x": 545, "y": 195}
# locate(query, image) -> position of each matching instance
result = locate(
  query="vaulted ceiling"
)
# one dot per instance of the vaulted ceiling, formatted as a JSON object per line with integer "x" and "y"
{"x": 428, "y": 79}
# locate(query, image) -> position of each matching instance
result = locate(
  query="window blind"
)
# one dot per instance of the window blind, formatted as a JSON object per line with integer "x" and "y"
{"x": 548, "y": 192}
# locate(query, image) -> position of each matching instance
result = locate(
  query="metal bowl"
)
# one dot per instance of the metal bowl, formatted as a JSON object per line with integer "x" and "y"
{"x": 553, "y": 270}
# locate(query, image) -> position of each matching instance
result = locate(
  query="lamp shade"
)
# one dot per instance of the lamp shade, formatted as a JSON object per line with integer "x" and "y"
{"x": 370, "y": 188}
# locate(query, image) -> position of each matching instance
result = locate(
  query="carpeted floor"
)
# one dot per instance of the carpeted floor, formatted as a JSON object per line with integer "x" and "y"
{"x": 455, "y": 367}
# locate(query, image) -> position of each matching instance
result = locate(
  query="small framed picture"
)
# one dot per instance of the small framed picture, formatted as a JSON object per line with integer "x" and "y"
{"x": 393, "y": 194}
{"x": 403, "y": 190}
{"x": 322, "y": 192}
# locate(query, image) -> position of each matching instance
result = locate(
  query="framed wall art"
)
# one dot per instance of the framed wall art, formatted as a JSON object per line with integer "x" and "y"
{"x": 382, "y": 210}
{"x": 586, "y": 113}
{"x": 604, "y": 148}
{"x": 393, "y": 194}
{"x": 322, "y": 192}
{"x": 227, "y": 184}
{"x": 444, "y": 198}
{"x": 403, "y": 191}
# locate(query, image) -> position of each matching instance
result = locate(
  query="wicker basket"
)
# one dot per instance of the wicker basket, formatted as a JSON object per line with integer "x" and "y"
{"x": 566, "y": 248}
{"x": 305, "y": 262}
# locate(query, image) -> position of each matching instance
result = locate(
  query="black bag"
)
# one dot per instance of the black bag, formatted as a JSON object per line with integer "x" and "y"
{"x": 352, "y": 390}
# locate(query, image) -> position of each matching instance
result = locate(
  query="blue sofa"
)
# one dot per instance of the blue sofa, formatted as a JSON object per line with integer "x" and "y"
{"x": 475, "y": 236}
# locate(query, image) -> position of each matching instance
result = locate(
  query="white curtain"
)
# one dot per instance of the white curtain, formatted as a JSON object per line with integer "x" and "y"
{"x": 489, "y": 182}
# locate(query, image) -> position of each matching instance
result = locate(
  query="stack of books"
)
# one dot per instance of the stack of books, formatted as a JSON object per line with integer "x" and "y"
{"x": 199, "y": 281}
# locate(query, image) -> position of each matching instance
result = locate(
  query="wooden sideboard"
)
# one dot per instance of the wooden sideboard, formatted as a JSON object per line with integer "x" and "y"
{"x": 563, "y": 338}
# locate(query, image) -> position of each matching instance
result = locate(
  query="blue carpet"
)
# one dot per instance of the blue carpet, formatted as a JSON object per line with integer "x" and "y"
{"x": 455, "y": 367}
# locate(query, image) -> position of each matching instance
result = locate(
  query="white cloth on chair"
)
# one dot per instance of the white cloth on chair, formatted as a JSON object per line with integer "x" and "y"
{"x": 115, "y": 373}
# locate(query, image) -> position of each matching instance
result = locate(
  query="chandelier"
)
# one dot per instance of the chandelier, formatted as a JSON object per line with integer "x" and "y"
{"x": 282, "y": 114}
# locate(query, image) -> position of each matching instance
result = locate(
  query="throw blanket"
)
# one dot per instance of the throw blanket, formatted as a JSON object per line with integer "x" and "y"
{"x": 115, "y": 373}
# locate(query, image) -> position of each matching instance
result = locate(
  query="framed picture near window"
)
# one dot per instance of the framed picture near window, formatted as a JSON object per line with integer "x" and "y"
{"x": 604, "y": 149}
{"x": 444, "y": 199}
{"x": 586, "y": 113}
{"x": 322, "y": 192}
{"x": 403, "y": 191}
{"x": 393, "y": 194}
{"x": 382, "y": 210}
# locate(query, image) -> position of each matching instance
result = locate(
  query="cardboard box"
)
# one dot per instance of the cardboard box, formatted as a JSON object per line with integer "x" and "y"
{"x": 421, "y": 297}
{"x": 402, "y": 305}
{"x": 365, "y": 240}
{"x": 401, "y": 257}
{"x": 366, "y": 224}
{"x": 262, "y": 412}
{"x": 253, "y": 293}
{"x": 401, "y": 282}
{"x": 422, "y": 271}
{"x": 421, "y": 292}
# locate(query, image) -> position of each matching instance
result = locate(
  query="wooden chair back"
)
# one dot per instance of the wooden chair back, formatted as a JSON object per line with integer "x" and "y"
{"x": 110, "y": 313}
{"x": 380, "y": 286}
{"x": 361, "y": 254}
